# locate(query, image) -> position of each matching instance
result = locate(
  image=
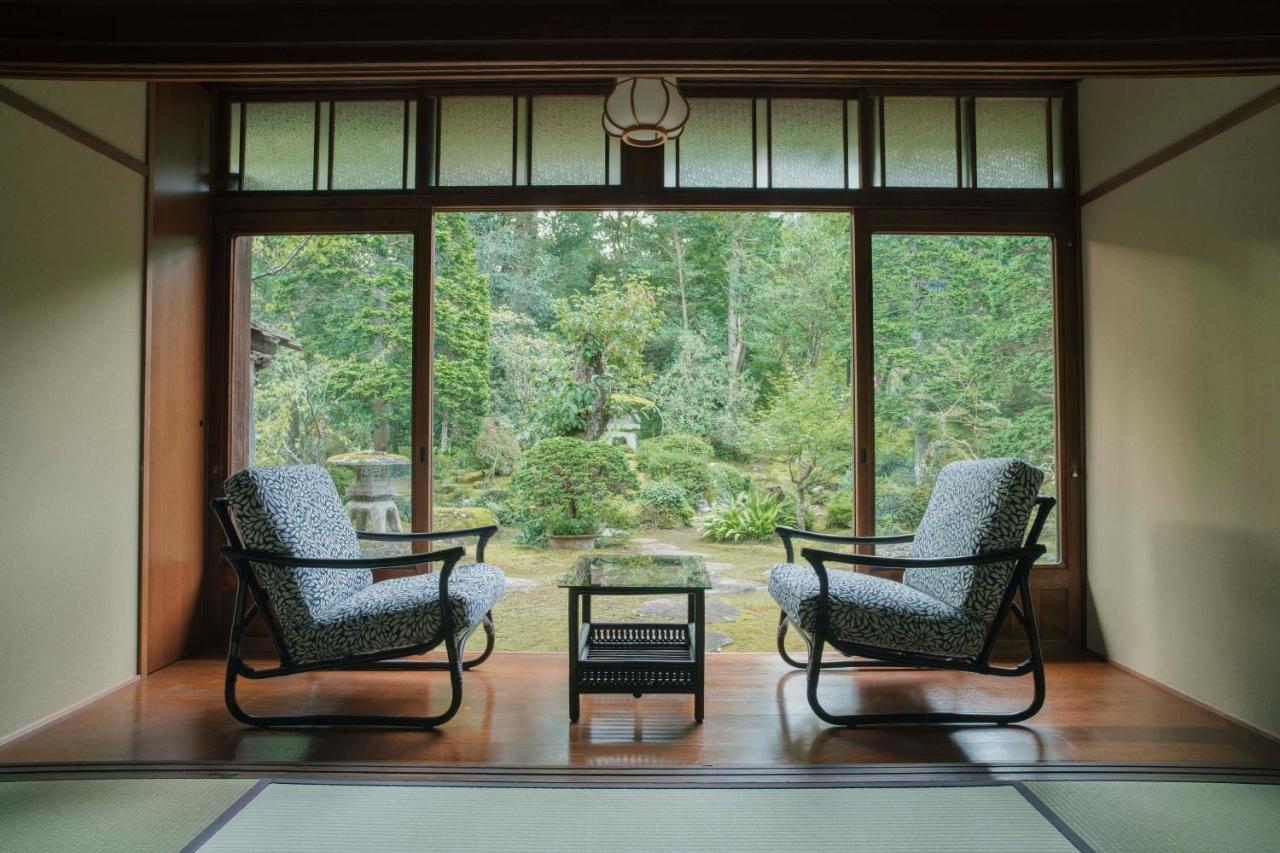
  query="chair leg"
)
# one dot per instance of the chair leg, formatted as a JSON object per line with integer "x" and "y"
{"x": 784, "y": 621}
{"x": 934, "y": 718}
{"x": 236, "y": 667}
{"x": 489, "y": 637}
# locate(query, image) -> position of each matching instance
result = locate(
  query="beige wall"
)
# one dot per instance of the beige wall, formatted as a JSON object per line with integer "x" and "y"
{"x": 1182, "y": 318}
{"x": 71, "y": 274}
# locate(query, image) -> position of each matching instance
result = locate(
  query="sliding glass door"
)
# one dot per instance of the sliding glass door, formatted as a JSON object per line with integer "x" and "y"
{"x": 961, "y": 355}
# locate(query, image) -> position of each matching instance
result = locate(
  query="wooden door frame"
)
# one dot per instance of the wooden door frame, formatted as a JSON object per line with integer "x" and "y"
{"x": 229, "y": 362}
{"x": 229, "y": 336}
{"x": 1068, "y": 572}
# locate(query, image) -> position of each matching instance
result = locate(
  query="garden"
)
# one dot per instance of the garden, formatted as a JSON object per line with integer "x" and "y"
{"x": 651, "y": 382}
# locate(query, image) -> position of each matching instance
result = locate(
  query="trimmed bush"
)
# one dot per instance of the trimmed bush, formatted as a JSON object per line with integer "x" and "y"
{"x": 567, "y": 478}
{"x": 681, "y": 458}
{"x": 663, "y": 504}
{"x": 840, "y": 511}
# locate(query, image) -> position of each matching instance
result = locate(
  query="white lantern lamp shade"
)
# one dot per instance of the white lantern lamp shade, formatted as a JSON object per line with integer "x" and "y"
{"x": 645, "y": 111}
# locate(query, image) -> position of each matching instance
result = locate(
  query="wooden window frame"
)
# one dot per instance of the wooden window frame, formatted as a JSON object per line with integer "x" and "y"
{"x": 968, "y": 210}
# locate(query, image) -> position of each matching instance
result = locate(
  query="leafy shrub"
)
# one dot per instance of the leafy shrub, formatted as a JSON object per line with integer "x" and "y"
{"x": 727, "y": 482}
{"x": 664, "y": 504}
{"x": 497, "y": 447}
{"x": 618, "y": 514}
{"x": 677, "y": 442}
{"x": 840, "y": 511}
{"x": 681, "y": 458}
{"x": 750, "y": 515}
{"x": 568, "y": 478}
{"x": 572, "y": 525}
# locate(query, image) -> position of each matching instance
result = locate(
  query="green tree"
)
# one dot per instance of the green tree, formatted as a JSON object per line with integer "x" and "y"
{"x": 568, "y": 477}
{"x": 809, "y": 428}
{"x": 607, "y": 330}
{"x": 460, "y": 366}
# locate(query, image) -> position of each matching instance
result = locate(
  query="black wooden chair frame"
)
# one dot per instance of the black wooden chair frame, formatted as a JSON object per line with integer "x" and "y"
{"x": 862, "y": 656}
{"x": 248, "y": 589}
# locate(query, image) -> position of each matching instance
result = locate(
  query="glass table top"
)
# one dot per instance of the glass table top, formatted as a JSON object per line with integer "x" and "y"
{"x": 620, "y": 571}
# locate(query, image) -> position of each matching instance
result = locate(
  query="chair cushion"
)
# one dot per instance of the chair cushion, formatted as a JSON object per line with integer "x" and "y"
{"x": 399, "y": 613}
{"x": 295, "y": 510}
{"x": 976, "y": 507}
{"x": 876, "y": 611}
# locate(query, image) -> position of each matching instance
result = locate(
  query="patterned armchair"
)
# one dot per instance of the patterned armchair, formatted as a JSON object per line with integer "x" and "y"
{"x": 298, "y": 558}
{"x": 968, "y": 558}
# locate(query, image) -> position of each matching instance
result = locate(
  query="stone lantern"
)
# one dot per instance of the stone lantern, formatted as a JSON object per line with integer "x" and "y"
{"x": 371, "y": 504}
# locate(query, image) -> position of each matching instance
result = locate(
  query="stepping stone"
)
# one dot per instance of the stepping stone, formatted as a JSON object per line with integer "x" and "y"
{"x": 521, "y": 584}
{"x": 718, "y": 567}
{"x": 733, "y": 586}
{"x": 718, "y": 610}
{"x": 643, "y": 540}
{"x": 717, "y": 640}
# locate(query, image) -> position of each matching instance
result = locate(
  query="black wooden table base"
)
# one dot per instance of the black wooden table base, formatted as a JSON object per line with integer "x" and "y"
{"x": 635, "y": 657}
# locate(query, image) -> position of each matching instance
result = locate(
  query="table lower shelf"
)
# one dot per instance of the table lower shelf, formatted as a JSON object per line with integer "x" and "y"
{"x": 630, "y": 657}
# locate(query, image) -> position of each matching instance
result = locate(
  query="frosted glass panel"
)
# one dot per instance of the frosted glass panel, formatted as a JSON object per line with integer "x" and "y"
{"x": 920, "y": 142}
{"x": 475, "y": 141}
{"x": 1012, "y": 138}
{"x": 715, "y": 148}
{"x": 808, "y": 143}
{"x": 368, "y": 145}
{"x": 279, "y": 146}
{"x": 568, "y": 141}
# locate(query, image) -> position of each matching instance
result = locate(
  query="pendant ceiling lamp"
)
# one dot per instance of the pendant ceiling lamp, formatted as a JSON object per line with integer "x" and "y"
{"x": 645, "y": 111}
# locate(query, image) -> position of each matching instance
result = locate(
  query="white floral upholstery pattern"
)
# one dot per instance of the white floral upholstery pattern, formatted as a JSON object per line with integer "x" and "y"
{"x": 400, "y": 612}
{"x": 295, "y": 510}
{"x": 875, "y": 611}
{"x": 977, "y": 507}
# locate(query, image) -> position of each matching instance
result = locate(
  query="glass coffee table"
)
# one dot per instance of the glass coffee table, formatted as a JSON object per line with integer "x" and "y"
{"x": 636, "y": 657}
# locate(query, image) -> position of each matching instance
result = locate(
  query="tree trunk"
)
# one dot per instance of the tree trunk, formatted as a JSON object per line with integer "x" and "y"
{"x": 734, "y": 321}
{"x": 589, "y": 373}
{"x": 677, "y": 245}
{"x": 381, "y": 426}
{"x": 444, "y": 432}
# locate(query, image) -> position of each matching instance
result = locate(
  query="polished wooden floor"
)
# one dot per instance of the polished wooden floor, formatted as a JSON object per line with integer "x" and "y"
{"x": 515, "y": 713}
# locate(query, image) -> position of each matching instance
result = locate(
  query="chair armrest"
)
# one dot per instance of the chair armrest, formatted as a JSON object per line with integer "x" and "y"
{"x": 786, "y": 534}
{"x": 484, "y": 534}
{"x": 816, "y": 556}
{"x": 449, "y": 556}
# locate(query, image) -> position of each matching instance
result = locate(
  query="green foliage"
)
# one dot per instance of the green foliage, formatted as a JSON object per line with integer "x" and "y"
{"x": 618, "y": 514}
{"x": 460, "y": 367}
{"x": 809, "y": 429}
{"x": 840, "y": 511}
{"x": 680, "y": 458}
{"x": 607, "y": 330}
{"x": 568, "y": 478}
{"x": 727, "y": 482}
{"x": 663, "y": 504}
{"x": 497, "y": 447}
{"x": 347, "y": 300}
{"x": 563, "y": 524}
{"x": 749, "y": 516}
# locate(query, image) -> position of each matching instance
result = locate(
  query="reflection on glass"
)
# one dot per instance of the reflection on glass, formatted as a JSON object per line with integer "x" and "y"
{"x": 919, "y": 142}
{"x": 279, "y": 145}
{"x": 1012, "y": 141}
{"x": 568, "y": 141}
{"x": 368, "y": 145}
{"x": 715, "y": 147}
{"x": 808, "y": 143}
{"x": 475, "y": 141}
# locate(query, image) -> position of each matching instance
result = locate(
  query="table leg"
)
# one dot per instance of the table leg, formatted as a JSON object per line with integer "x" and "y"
{"x": 698, "y": 603}
{"x": 574, "y": 709}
